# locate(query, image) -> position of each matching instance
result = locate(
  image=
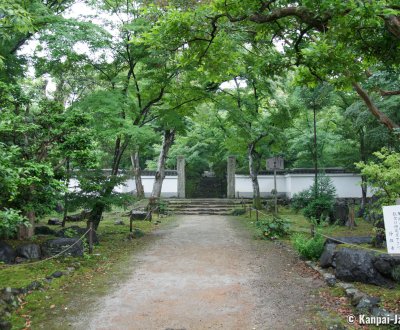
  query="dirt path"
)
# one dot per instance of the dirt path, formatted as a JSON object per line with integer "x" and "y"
{"x": 208, "y": 273}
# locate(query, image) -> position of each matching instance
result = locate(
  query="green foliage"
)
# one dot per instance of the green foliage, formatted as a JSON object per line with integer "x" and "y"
{"x": 316, "y": 202}
{"x": 383, "y": 175}
{"x": 10, "y": 220}
{"x": 70, "y": 232}
{"x": 309, "y": 248}
{"x": 396, "y": 273}
{"x": 237, "y": 212}
{"x": 274, "y": 227}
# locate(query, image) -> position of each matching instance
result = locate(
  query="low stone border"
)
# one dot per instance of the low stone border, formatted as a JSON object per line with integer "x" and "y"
{"x": 363, "y": 303}
{"x": 11, "y": 298}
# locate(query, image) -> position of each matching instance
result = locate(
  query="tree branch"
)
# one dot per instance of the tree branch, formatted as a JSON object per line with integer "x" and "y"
{"x": 385, "y": 120}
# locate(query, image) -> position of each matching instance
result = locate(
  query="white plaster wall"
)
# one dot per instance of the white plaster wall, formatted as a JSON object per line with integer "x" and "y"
{"x": 169, "y": 187}
{"x": 347, "y": 184}
{"x": 244, "y": 187}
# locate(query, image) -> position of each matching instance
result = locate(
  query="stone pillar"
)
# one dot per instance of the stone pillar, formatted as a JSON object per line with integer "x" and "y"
{"x": 180, "y": 165}
{"x": 231, "y": 177}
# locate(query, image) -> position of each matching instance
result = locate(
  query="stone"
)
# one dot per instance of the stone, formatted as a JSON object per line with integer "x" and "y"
{"x": 57, "y": 274}
{"x": 19, "y": 260}
{"x": 7, "y": 253}
{"x": 29, "y": 251}
{"x": 35, "y": 285}
{"x": 351, "y": 292}
{"x": 119, "y": 223}
{"x": 328, "y": 255}
{"x": 381, "y": 312}
{"x": 330, "y": 279}
{"x": 78, "y": 217}
{"x": 350, "y": 240}
{"x": 346, "y": 286}
{"x": 355, "y": 265}
{"x": 5, "y": 325}
{"x": 367, "y": 304}
{"x": 340, "y": 213}
{"x": 55, "y": 246}
{"x": 44, "y": 230}
{"x": 54, "y": 222}
{"x": 70, "y": 270}
{"x": 385, "y": 264}
{"x": 76, "y": 232}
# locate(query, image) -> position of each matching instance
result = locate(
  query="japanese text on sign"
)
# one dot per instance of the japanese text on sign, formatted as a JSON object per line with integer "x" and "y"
{"x": 391, "y": 215}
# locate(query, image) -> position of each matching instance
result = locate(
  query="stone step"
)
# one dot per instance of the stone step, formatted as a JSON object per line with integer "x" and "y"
{"x": 226, "y": 209}
{"x": 213, "y": 206}
{"x": 208, "y": 212}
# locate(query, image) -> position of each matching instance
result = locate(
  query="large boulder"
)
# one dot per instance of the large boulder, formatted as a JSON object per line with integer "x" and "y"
{"x": 350, "y": 240}
{"x": 44, "y": 230}
{"x": 385, "y": 263}
{"x": 54, "y": 222}
{"x": 327, "y": 258}
{"x": 58, "y": 245}
{"x": 7, "y": 253}
{"x": 29, "y": 251}
{"x": 84, "y": 215}
{"x": 76, "y": 232}
{"x": 355, "y": 265}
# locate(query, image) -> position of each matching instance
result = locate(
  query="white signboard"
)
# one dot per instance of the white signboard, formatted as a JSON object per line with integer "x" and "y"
{"x": 275, "y": 163}
{"x": 391, "y": 216}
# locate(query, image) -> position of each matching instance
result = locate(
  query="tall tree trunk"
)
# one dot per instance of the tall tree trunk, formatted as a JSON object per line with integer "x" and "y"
{"x": 100, "y": 205}
{"x": 168, "y": 140}
{"x": 364, "y": 186}
{"x": 25, "y": 232}
{"x": 254, "y": 167}
{"x": 68, "y": 177}
{"x": 137, "y": 172}
{"x": 315, "y": 154}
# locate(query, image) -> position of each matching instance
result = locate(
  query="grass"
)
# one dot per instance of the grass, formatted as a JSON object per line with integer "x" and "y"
{"x": 336, "y": 307}
{"x": 92, "y": 276}
{"x": 298, "y": 223}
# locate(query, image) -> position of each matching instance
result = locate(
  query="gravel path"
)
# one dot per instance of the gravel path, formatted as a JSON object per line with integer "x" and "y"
{"x": 209, "y": 273}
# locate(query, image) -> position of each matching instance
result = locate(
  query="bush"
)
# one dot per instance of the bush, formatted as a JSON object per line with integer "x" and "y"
{"x": 274, "y": 228}
{"x": 239, "y": 212}
{"x": 309, "y": 248}
{"x": 396, "y": 273}
{"x": 316, "y": 207}
{"x": 10, "y": 220}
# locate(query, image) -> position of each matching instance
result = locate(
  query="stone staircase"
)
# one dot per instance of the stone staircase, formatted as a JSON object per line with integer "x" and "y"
{"x": 206, "y": 206}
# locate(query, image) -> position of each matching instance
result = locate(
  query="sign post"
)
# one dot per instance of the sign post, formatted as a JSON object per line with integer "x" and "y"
{"x": 391, "y": 216}
{"x": 275, "y": 163}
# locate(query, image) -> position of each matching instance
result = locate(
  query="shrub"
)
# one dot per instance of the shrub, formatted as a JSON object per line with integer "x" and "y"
{"x": 301, "y": 200}
{"x": 309, "y": 248}
{"x": 396, "y": 273}
{"x": 10, "y": 220}
{"x": 239, "y": 212}
{"x": 274, "y": 228}
{"x": 312, "y": 206}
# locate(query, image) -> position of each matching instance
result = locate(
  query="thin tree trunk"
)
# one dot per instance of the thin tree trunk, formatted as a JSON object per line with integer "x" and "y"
{"x": 168, "y": 140}
{"x": 66, "y": 195}
{"x": 137, "y": 172}
{"x": 100, "y": 205}
{"x": 315, "y": 154}
{"x": 25, "y": 232}
{"x": 364, "y": 186}
{"x": 253, "y": 170}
